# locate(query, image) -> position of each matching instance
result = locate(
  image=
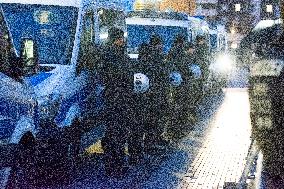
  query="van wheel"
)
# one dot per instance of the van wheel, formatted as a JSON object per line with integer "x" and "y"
{"x": 23, "y": 169}
{"x": 52, "y": 165}
{"x": 73, "y": 135}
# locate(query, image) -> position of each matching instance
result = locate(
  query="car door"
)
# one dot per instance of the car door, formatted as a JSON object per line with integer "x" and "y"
{"x": 10, "y": 104}
{"x": 8, "y": 110}
{"x": 16, "y": 102}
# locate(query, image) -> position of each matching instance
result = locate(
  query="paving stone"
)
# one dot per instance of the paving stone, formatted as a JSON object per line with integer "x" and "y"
{"x": 222, "y": 158}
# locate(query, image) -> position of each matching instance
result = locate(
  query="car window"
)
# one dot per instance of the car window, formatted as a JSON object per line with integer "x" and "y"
{"x": 87, "y": 39}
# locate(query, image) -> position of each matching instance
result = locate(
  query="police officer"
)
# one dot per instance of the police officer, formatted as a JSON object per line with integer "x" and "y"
{"x": 176, "y": 53}
{"x": 138, "y": 130}
{"x": 115, "y": 73}
{"x": 179, "y": 94}
{"x": 143, "y": 53}
{"x": 190, "y": 54}
{"x": 202, "y": 56}
{"x": 156, "y": 104}
{"x": 192, "y": 81}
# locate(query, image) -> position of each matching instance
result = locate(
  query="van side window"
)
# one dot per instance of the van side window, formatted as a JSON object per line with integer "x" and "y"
{"x": 86, "y": 52}
{"x": 87, "y": 36}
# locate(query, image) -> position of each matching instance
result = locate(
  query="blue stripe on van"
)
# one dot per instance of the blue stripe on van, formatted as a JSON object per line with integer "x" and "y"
{"x": 10, "y": 113}
{"x": 38, "y": 78}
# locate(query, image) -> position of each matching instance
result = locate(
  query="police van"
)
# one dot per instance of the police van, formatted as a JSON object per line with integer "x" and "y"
{"x": 42, "y": 91}
{"x": 141, "y": 25}
{"x": 222, "y": 63}
{"x": 216, "y": 35}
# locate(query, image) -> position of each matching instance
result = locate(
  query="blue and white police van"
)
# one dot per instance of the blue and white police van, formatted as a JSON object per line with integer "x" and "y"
{"x": 141, "y": 25}
{"x": 49, "y": 37}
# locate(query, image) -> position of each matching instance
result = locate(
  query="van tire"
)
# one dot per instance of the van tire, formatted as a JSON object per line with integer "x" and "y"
{"x": 23, "y": 169}
{"x": 74, "y": 134}
{"x": 52, "y": 164}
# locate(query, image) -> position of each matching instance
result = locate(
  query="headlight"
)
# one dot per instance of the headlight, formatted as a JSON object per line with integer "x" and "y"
{"x": 223, "y": 64}
{"x": 48, "y": 106}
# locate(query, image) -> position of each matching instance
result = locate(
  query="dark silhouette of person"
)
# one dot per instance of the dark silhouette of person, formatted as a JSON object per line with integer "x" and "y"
{"x": 156, "y": 104}
{"x": 117, "y": 78}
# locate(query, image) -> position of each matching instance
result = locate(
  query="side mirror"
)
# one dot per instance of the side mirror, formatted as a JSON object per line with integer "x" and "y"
{"x": 29, "y": 56}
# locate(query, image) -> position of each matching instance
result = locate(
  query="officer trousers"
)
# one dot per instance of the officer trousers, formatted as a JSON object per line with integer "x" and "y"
{"x": 115, "y": 139}
{"x": 138, "y": 129}
{"x": 155, "y": 121}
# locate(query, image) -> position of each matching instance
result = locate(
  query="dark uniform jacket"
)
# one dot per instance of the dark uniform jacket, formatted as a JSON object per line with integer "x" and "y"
{"x": 179, "y": 63}
{"x": 117, "y": 77}
{"x": 202, "y": 58}
{"x": 188, "y": 60}
{"x": 156, "y": 70}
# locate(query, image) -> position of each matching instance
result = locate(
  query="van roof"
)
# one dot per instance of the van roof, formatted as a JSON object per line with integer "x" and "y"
{"x": 157, "y": 15}
{"x": 72, "y": 3}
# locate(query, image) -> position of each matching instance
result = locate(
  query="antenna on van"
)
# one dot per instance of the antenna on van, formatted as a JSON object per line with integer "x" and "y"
{"x": 4, "y": 26}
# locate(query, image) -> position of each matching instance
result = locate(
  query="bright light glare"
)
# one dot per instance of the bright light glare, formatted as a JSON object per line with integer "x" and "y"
{"x": 204, "y": 28}
{"x": 234, "y": 45}
{"x": 125, "y": 34}
{"x": 234, "y": 112}
{"x": 266, "y": 23}
{"x": 223, "y": 64}
{"x": 237, "y": 7}
{"x": 103, "y": 36}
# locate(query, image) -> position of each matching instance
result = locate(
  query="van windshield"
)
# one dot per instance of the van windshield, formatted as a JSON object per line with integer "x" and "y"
{"x": 51, "y": 27}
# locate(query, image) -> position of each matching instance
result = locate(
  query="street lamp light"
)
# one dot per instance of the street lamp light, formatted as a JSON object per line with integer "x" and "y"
{"x": 233, "y": 31}
{"x": 238, "y": 7}
{"x": 269, "y": 8}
